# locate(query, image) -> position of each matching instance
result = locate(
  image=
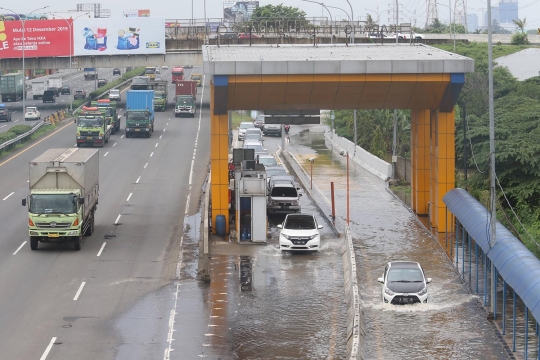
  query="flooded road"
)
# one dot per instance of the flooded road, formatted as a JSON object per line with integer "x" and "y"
{"x": 452, "y": 325}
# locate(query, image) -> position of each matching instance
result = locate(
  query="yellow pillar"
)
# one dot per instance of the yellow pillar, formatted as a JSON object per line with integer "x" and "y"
{"x": 219, "y": 160}
{"x": 420, "y": 175}
{"x": 444, "y": 168}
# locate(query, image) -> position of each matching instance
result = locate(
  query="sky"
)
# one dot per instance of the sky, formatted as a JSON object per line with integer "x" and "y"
{"x": 413, "y": 11}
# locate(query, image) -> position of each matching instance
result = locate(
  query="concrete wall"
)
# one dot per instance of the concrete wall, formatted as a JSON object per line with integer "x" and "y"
{"x": 403, "y": 169}
{"x": 368, "y": 161}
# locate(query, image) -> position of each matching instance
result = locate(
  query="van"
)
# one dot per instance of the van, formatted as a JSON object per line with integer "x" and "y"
{"x": 283, "y": 195}
{"x": 49, "y": 96}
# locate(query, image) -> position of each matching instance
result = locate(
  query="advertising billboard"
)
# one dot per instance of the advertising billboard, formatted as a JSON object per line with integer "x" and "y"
{"x": 119, "y": 36}
{"x": 238, "y": 10}
{"x": 130, "y": 13}
{"x": 143, "y": 13}
{"x": 42, "y": 38}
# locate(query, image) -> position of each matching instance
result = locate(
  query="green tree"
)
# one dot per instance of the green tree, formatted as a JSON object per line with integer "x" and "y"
{"x": 520, "y": 24}
{"x": 378, "y": 146}
{"x": 278, "y": 17}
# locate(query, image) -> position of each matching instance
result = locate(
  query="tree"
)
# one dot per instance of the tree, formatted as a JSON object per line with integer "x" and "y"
{"x": 278, "y": 16}
{"x": 520, "y": 24}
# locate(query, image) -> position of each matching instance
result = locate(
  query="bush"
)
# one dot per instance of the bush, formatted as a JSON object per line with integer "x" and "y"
{"x": 6, "y": 136}
{"x": 20, "y": 129}
{"x": 519, "y": 39}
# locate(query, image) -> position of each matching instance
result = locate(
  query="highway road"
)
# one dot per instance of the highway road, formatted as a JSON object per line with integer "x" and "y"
{"x": 75, "y": 81}
{"x": 112, "y": 299}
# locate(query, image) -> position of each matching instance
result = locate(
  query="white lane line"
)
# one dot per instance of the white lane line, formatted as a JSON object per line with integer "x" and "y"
{"x": 9, "y": 196}
{"x": 121, "y": 137}
{"x": 145, "y": 165}
{"x": 160, "y": 137}
{"x": 79, "y": 291}
{"x": 139, "y": 178}
{"x": 129, "y": 197}
{"x": 3, "y": 126}
{"x": 164, "y": 130}
{"x": 114, "y": 144}
{"x": 152, "y": 154}
{"x": 156, "y": 144}
{"x": 105, "y": 154}
{"x": 101, "y": 250}
{"x": 48, "y": 349}
{"x": 20, "y": 247}
{"x": 168, "y": 123}
{"x": 117, "y": 219}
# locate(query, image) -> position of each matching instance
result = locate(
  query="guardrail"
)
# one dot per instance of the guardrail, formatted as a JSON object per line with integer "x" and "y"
{"x": 20, "y": 138}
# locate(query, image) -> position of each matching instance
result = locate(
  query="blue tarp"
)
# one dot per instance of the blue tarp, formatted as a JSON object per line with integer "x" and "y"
{"x": 515, "y": 263}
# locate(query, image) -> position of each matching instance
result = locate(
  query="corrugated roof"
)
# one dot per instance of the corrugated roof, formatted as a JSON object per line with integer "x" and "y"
{"x": 515, "y": 263}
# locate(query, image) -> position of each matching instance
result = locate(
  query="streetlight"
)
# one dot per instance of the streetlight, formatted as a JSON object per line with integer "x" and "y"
{"x": 320, "y": 3}
{"x": 70, "y": 46}
{"x": 23, "y": 70}
{"x": 352, "y": 18}
{"x": 311, "y": 160}
{"x": 450, "y": 22}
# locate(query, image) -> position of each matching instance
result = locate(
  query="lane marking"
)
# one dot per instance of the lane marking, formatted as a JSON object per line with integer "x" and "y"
{"x": 129, "y": 197}
{"x": 31, "y": 146}
{"x": 156, "y": 144}
{"x": 160, "y": 137}
{"x": 8, "y": 196}
{"x": 152, "y": 154}
{"x": 79, "y": 291}
{"x": 114, "y": 144}
{"x": 145, "y": 165}
{"x": 139, "y": 178}
{"x": 105, "y": 154}
{"x": 20, "y": 247}
{"x": 48, "y": 349}
{"x": 101, "y": 250}
{"x": 121, "y": 137}
{"x": 117, "y": 219}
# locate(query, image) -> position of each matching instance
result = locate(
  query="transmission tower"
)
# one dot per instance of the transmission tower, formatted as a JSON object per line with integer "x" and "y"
{"x": 431, "y": 13}
{"x": 460, "y": 12}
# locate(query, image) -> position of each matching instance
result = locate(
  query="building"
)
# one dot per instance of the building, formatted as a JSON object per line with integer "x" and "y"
{"x": 508, "y": 11}
{"x": 472, "y": 23}
{"x": 94, "y": 8}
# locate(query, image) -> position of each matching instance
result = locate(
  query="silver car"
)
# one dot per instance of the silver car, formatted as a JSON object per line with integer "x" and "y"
{"x": 242, "y": 129}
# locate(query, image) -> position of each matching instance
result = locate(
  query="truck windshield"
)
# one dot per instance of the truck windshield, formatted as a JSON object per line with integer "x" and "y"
{"x": 185, "y": 102}
{"x": 53, "y": 204}
{"x": 137, "y": 115}
{"x": 86, "y": 123}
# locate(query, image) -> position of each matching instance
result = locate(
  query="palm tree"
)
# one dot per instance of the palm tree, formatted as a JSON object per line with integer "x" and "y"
{"x": 520, "y": 24}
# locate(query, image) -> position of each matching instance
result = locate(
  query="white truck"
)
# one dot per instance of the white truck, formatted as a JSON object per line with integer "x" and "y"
{"x": 64, "y": 187}
{"x": 55, "y": 82}
{"x": 38, "y": 88}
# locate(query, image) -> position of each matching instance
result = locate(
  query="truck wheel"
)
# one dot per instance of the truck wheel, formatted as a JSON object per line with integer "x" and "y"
{"x": 148, "y": 135}
{"x": 90, "y": 228}
{"x": 77, "y": 242}
{"x": 33, "y": 242}
{"x": 127, "y": 135}
{"x": 107, "y": 140}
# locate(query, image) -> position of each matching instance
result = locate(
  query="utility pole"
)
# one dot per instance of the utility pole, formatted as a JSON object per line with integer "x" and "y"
{"x": 394, "y": 142}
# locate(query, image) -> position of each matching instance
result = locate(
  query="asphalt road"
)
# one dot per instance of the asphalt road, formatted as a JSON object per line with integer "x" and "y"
{"x": 75, "y": 81}
{"x": 112, "y": 299}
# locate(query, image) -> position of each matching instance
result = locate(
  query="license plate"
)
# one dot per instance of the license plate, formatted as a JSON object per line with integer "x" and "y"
{"x": 89, "y": 137}
{"x": 137, "y": 129}
{"x": 54, "y": 235}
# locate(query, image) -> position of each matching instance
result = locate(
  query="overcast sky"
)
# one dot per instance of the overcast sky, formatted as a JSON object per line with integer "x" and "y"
{"x": 413, "y": 11}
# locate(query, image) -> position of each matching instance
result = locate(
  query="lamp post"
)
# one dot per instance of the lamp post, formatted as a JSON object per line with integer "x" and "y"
{"x": 311, "y": 160}
{"x": 450, "y": 22}
{"x": 320, "y": 3}
{"x": 23, "y": 70}
{"x": 70, "y": 46}
{"x": 352, "y": 19}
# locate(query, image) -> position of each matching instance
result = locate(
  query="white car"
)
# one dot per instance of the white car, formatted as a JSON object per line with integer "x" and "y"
{"x": 32, "y": 113}
{"x": 299, "y": 232}
{"x": 165, "y": 67}
{"x": 114, "y": 94}
{"x": 404, "y": 282}
{"x": 399, "y": 35}
{"x": 418, "y": 36}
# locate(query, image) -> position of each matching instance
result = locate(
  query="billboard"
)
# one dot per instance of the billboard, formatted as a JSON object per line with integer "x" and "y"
{"x": 119, "y": 36}
{"x": 143, "y": 13}
{"x": 238, "y": 10}
{"x": 130, "y": 13}
{"x": 42, "y": 38}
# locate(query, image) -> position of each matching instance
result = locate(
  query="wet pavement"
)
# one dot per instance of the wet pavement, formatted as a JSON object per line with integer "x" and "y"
{"x": 452, "y": 325}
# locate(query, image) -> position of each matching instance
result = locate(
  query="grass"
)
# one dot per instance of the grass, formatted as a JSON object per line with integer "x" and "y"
{"x": 238, "y": 117}
{"x": 43, "y": 130}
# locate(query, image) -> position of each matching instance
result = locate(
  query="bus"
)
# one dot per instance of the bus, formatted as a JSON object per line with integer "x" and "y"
{"x": 150, "y": 71}
{"x": 177, "y": 73}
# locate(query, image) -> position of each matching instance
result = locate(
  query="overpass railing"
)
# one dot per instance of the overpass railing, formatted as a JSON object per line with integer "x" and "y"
{"x": 515, "y": 308}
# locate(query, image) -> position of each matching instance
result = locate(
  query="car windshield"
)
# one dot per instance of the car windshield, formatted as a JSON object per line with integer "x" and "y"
{"x": 405, "y": 275}
{"x": 300, "y": 223}
{"x": 53, "y": 204}
{"x": 86, "y": 123}
{"x": 253, "y": 136}
{"x": 246, "y": 125}
{"x": 278, "y": 191}
{"x": 268, "y": 161}
{"x": 114, "y": 92}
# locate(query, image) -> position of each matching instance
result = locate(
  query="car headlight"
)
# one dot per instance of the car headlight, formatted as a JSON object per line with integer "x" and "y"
{"x": 100, "y": 137}
{"x": 423, "y": 291}
{"x": 285, "y": 236}
{"x": 388, "y": 291}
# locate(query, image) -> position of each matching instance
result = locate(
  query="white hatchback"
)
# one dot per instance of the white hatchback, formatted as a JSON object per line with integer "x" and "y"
{"x": 404, "y": 282}
{"x": 299, "y": 232}
{"x": 32, "y": 113}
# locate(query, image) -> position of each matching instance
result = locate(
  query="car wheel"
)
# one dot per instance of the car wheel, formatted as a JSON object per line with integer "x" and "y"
{"x": 34, "y": 242}
{"x": 78, "y": 145}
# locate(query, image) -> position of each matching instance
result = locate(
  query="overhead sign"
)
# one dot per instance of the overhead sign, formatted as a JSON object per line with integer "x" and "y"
{"x": 41, "y": 38}
{"x": 119, "y": 36}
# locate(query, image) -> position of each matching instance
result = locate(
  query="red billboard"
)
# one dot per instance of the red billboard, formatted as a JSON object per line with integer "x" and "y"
{"x": 41, "y": 38}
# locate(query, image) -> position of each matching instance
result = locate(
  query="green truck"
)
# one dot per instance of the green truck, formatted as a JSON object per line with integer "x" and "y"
{"x": 160, "y": 88}
{"x": 139, "y": 113}
{"x": 64, "y": 188}
{"x": 92, "y": 127}
{"x": 108, "y": 109}
{"x": 12, "y": 87}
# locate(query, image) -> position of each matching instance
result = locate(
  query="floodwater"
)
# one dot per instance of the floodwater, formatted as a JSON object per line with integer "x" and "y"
{"x": 452, "y": 325}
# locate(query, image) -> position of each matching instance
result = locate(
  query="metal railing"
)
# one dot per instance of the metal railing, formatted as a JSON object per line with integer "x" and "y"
{"x": 19, "y": 139}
